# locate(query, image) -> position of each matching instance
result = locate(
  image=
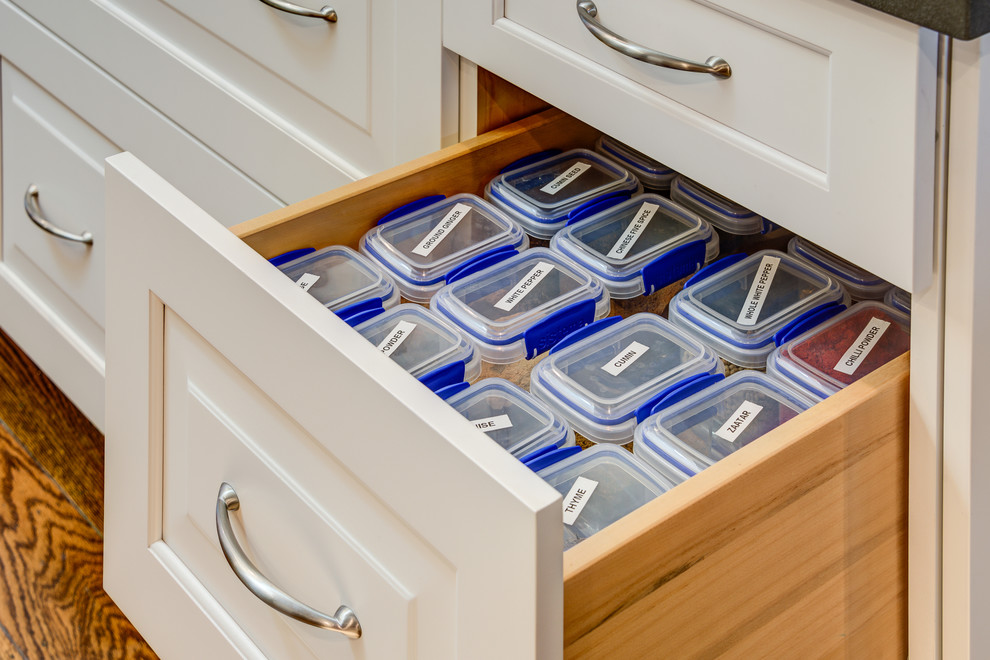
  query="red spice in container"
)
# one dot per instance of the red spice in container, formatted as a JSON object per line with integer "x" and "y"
{"x": 843, "y": 349}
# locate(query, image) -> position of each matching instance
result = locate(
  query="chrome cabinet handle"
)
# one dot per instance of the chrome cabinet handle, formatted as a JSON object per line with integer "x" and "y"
{"x": 588, "y": 13}
{"x": 34, "y": 212}
{"x": 343, "y": 621}
{"x": 328, "y": 13}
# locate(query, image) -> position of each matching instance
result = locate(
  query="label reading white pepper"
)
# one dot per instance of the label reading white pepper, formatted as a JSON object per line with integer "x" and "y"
{"x": 759, "y": 291}
{"x": 524, "y": 286}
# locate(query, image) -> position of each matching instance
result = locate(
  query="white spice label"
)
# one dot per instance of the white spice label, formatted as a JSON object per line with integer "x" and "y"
{"x": 394, "y": 339}
{"x": 577, "y": 498}
{"x": 493, "y": 423}
{"x": 307, "y": 281}
{"x": 856, "y": 354}
{"x": 630, "y": 354}
{"x": 624, "y": 245}
{"x": 738, "y": 421}
{"x": 561, "y": 181}
{"x": 443, "y": 228}
{"x": 524, "y": 286}
{"x": 759, "y": 291}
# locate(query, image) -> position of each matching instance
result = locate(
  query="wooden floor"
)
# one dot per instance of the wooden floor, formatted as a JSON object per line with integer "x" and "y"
{"x": 53, "y": 606}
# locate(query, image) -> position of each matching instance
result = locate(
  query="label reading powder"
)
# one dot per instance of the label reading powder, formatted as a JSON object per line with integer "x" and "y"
{"x": 625, "y": 357}
{"x": 738, "y": 421}
{"x": 306, "y": 281}
{"x": 558, "y": 184}
{"x": 443, "y": 228}
{"x": 624, "y": 245}
{"x": 394, "y": 339}
{"x": 758, "y": 292}
{"x": 524, "y": 286}
{"x": 493, "y": 423}
{"x": 577, "y": 498}
{"x": 868, "y": 338}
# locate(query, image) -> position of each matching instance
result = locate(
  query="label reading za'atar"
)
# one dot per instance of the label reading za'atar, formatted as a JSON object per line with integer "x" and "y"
{"x": 495, "y": 423}
{"x": 856, "y": 354}
{"x": 577, "y": 497}
{"x": 574, "y": 172}
{"x": 636, "y": 228}
{"x": 443, "y": 228}
{"x": 307, "y": 281}
{"x": 759, "y": 291}
{"x": 394, "y": 339}
{"x": 524, "y": 286}
{"x": 738, "y": 421}
{"x": 626, "y": 357}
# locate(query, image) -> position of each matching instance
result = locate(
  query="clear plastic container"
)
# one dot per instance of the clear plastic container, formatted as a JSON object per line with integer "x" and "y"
{"x": 512, "y": 417}
{"x": 694, "y": 433}
{"x": 600, "y": 485}
{"x": 843, "y": 349}
{"x": 522, "y": 305}
{"x": 339, "y": 277}
{"x": 735, "y": 224}
{"x": 540, "y": 195}
{"x": 639, "y": 246}
{"x": 655, "y": 176}
{"x": 606, "y": 382}
{"x": 737, "y": 310}
{"x": 419, "y": 249}
{"x": 430, "y": 348}
{"x": 899, "y": 299}
{"x": 861, "y": 284}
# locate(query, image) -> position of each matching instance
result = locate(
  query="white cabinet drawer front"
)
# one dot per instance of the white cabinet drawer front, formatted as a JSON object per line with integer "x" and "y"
{"x": 826, "y": 125}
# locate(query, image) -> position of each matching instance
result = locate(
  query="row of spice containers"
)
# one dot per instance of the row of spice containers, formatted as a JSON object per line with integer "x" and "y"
{"x": 493, "y": 298}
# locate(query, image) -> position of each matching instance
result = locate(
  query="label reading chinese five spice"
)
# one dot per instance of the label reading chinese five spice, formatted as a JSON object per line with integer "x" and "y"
{"x": 524, "y": 286}
{"x": 394, "y": 339}
{"x": 442, "y": 230}
{"x": 577, "y": 498}
{"x": 856, "y": 354}
{"x": 493, "y": 423}
{"x": 636, "y": 228}
{"x": 759, "y": 291}
{"x": 307, "y": 281}
{"x": 561, "y": 181}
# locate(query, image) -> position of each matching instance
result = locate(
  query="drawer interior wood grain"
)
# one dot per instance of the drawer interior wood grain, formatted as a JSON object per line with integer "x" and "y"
{"x": 795, "y": 544}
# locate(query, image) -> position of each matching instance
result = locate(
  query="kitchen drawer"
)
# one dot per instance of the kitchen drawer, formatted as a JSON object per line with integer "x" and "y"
{"x": 794, "y": 545}
{"x": 827, "y": 120}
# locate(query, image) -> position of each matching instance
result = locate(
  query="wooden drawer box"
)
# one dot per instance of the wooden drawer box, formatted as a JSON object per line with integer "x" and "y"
{"x": 793, "y": 546}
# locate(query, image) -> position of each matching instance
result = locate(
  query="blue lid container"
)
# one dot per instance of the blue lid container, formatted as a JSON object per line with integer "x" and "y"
{"x": 899, "y": 299}
{"x": 512, "y": 417}
{"x": 600, "y": 485}
{"x": 604, "y": 382}
{"x": 861, "y": 284}
{"x": 694, "y": 433}
{"x": 339, "y": 277}
{"x": 520, "y": 306}
{"x": 640, "y": 245}
{"x": 724, "y": 214}
{"x": 420, "y": 248}
{"x": 737, "y": 310}
{"x": 430, "y": 348}
{"x": 540, "y": 195}
{"x": 655, "y": 176}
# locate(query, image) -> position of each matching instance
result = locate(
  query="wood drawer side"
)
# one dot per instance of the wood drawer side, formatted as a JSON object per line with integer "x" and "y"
{"x": 795, "y": 546}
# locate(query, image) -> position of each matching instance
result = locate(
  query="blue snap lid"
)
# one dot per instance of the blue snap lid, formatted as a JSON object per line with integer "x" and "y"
{"x": 654, "y": 175}
{"x": 291, "y": 255}
{"x": 338, "y": 277}
{"x": 861, "y": 284}
{"x": 899, "y": 299}
{"x": 722, "y": 212}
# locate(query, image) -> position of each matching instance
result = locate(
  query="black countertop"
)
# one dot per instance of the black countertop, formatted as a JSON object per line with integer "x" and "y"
{"x": 962, "y": 19}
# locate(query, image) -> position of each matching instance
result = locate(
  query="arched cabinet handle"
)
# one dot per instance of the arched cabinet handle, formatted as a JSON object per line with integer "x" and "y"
{"x": 33, "y": 211}
{"x": 343, "y": 621}
{"x": 588, "y": 13}
{"x": 328, "y": 13}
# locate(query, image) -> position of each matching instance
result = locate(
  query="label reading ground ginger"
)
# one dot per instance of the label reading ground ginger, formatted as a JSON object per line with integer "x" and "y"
{"x": 442, "y": 230}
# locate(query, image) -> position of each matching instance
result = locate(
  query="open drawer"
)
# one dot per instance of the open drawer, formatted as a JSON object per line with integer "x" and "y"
{"x": 379, "y": 496}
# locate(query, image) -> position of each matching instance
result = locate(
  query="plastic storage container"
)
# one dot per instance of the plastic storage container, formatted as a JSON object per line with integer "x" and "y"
{"x": 899, "y": 299}
{"x": 339, "y": 277}
{"x": 843, "y": 349}
{"x": 655, "y": 176}
{"x": 420, "y": 248}
{"x": 640, "y": 245}
{"x": 861, "y": 284}
{"x": 522, "y": 305}
{"x": 605, "y": 379}
{"x": 601, "y": 485}
{"x": 694, "y": 433}
{"x": 430, "y": 348}
{"x": 735, "y": 224}
{"x": 512, "y": 417}
{"x": 540, "y": 195}
{"x": 738, "y": 309}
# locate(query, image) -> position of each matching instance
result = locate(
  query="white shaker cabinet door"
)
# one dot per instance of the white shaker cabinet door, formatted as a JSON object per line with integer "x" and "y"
{"x": 357, "y": 485}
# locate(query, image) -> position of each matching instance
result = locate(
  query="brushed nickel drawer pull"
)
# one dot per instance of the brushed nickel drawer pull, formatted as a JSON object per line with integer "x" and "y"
{"x": 343, "y": 621}
{"x": 328, "y": 13}
{"x": 34, "y": 212}
{"x": 588, "y": 13}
